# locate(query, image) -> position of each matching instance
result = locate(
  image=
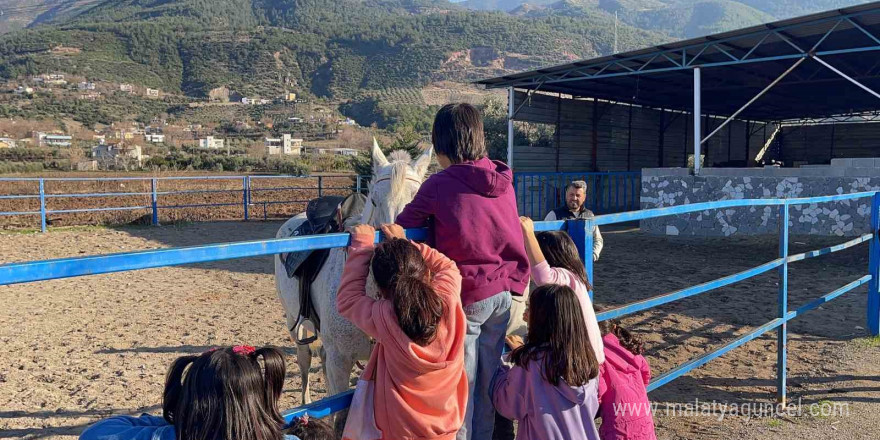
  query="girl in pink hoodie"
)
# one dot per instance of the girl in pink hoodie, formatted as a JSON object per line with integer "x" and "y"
{"x": 554, "y": 259}
{"x": 419, "y": 328}
{"x": 623, "y": 398}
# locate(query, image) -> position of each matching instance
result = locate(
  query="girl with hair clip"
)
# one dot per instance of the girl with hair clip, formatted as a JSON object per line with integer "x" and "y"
{"x": 228, "y": 393}
{"x": 550, "y": 383}
{"x": 310, "y": 428}
{"x": 623, "y": 397}
{"x": 417, "y": 364}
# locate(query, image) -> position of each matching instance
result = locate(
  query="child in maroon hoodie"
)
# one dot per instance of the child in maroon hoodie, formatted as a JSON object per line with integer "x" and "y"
{"x": 471, "y": 208}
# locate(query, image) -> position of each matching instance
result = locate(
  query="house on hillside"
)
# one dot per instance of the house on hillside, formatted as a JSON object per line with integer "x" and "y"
{"x": 6, "y": 142}
{"x": 54, "y": 79}
{"x": 286, "y": 145}
{"x": 22, "y": 90}
{"x": 52, "y": 140}
{"x": 91, "y": 96}
{"x": 211, "y": 143}
{"x": 127, "y": 88}
{"x": 85, "y": 85}
{"x": 151, "y": 93}
{"x": 337, "y": 151}
{"x": 156, "y": 138}
{"x": 118, "y": 155}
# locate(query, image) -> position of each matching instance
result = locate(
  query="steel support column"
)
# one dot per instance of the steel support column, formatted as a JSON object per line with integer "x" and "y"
{"x": 510, "y": 95}
{"x": 697, "y": 111}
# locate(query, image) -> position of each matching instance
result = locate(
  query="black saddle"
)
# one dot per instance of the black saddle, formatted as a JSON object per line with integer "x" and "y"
{"x": 323, "y": 215}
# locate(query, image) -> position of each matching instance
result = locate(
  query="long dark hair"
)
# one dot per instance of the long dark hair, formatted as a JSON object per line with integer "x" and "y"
{"x": 310, "y": 428}
{"x": 403, "y": 277}
{"x": 560, "y": 251}
{"x": 629, "y": 341}
{"x": 558, "y": 336}
{"x": 226, "y": 394}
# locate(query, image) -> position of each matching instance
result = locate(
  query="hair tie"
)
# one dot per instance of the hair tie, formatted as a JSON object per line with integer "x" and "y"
{"x": 210, "y": 350}
{"x": 244, "y": 350}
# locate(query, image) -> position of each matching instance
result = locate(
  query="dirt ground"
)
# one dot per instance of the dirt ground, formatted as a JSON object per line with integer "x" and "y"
{"x": 77, "y": 350}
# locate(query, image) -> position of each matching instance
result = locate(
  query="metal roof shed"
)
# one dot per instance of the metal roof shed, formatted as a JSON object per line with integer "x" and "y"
{"x": 814, "y": 67}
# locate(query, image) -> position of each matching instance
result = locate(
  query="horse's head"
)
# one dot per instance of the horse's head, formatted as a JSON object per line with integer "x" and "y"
{"x": 393, "y": 184}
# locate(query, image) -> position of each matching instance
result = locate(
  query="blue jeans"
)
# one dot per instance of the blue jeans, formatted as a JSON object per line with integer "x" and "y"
{"x": 486, "y": 328}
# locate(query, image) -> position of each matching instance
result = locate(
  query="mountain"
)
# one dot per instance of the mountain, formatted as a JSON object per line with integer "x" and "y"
{"x": 679, "y": 18}
{"x": 326, "y": 48}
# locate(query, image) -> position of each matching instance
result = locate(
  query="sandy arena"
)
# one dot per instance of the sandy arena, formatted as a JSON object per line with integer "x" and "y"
{"x": 77, "y": 350}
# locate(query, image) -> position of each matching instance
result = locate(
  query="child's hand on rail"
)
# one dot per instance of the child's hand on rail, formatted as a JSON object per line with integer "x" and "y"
{"x": 392, "y": 231}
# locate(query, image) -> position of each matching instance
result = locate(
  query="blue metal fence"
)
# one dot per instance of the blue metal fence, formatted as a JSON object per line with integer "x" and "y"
{"x": 607, "y": 192}
{"x": 248, "y": 191}
{"x": 537, "y": 193}
{"x": 71, "y": 267}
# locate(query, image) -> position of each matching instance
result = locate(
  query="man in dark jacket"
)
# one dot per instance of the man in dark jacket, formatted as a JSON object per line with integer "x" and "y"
{"x": 575, "y": 196}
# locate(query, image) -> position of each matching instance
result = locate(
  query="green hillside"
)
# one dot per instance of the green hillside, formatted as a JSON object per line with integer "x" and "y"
{"x": 330, "y": 48}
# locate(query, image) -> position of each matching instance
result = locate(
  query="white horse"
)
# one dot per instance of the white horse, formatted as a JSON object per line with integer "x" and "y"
{"x": 393, "y": 185}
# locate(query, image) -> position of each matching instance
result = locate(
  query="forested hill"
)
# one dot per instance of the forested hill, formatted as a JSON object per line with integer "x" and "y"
{"x": 680, "y": 18}
{"x": 331, "y": 48}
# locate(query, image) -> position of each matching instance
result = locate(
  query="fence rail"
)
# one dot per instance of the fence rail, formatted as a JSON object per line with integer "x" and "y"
{"x": 158, "y": 194}
{"x": 578, "y": 229}
{"x": 268, "y": 196}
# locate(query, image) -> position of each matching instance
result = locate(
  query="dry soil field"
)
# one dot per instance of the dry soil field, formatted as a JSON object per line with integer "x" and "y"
{"x": 77, "y": 350}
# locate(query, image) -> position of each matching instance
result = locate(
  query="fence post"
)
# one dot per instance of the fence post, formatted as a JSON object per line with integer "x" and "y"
{"x": 874, "y": 269}
{"x": 782, "y": 332}
{"x": 249, "y": 194}
{"x": 320, "y": 186}
{"x": 581, "y": 232}
{"x": 357, "y": 184}
{"x": 154, "y": 184}
{"x": 244, "y": 196}
{"x": 42, "y": 206}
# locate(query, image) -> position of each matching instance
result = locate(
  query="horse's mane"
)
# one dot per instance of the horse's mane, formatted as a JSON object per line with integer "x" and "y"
{"x": 400, "y": 160}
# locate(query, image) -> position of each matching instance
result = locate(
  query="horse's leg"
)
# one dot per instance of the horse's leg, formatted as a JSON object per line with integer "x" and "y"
{"x": 338, "y": 367}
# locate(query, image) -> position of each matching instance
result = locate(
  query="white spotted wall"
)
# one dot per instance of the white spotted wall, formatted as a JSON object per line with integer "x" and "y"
{"x": 845, "y": 218}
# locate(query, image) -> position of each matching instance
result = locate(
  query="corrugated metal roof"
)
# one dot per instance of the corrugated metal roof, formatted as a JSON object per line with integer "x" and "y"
{"x": 736, "y": 65}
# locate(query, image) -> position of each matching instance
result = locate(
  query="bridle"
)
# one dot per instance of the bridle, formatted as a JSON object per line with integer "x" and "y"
{"x": 373, "y": 202}
{"x": 389, "y": 178}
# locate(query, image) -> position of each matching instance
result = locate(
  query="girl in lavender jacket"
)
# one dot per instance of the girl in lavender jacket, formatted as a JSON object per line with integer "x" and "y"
{"x": 550, "y": 384}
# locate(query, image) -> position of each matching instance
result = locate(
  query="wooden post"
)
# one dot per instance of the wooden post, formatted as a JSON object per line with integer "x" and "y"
{"x": 629, "y": 140}
{"x": 748, "y": 140}
{"x": 558, "y": 129}
{"x": 662, "y": 139}
{"x": 595, "y": 135}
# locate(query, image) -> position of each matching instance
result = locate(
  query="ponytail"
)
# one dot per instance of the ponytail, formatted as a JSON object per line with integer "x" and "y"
{"x": 273, "y": 376}
{"x": 629, "y": 341}
{"x": 418, "y": 307}
{"x": 174, "y": 387}
{"x": 402, "y": 275}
